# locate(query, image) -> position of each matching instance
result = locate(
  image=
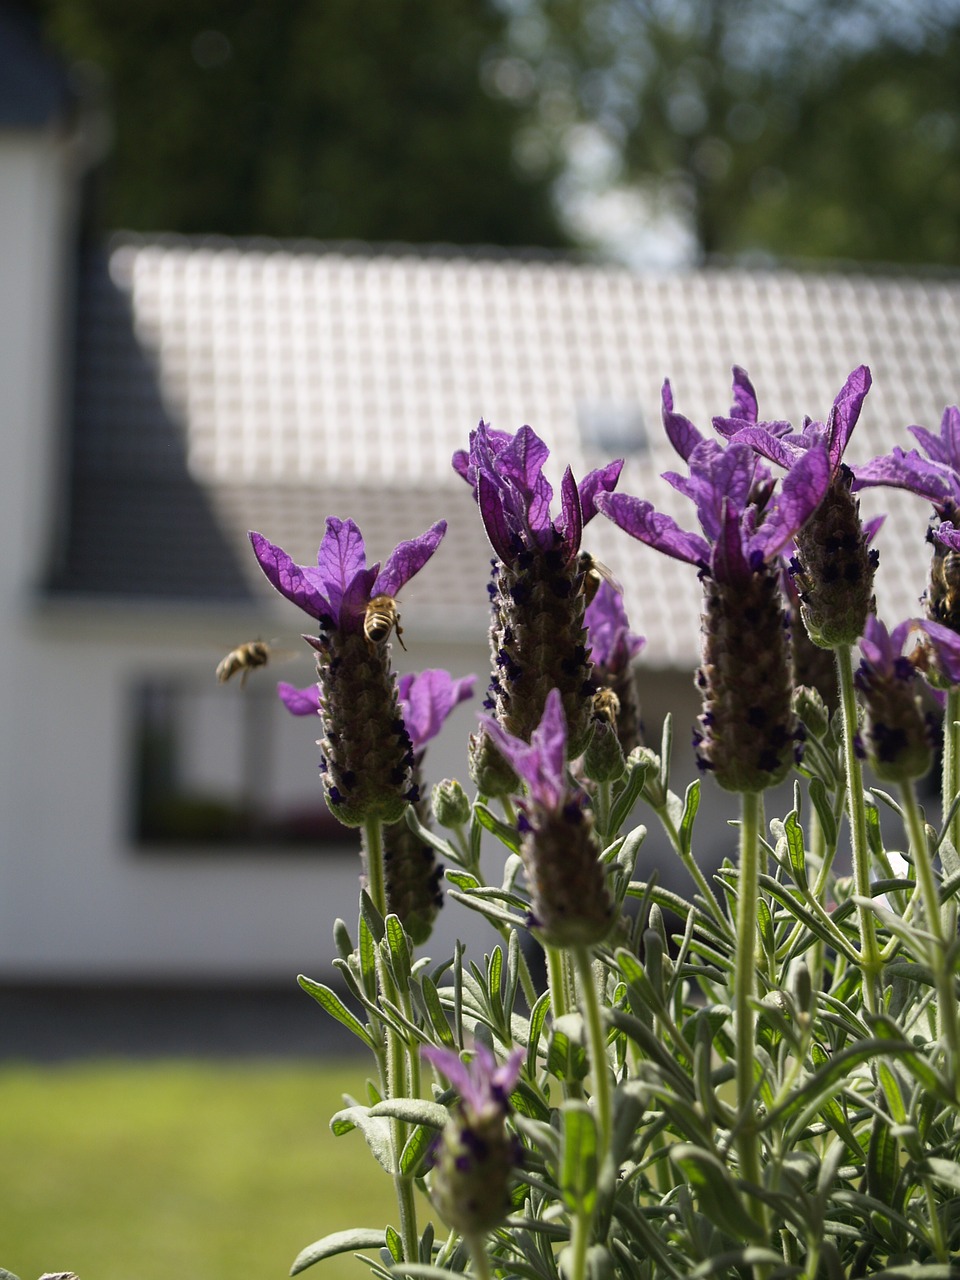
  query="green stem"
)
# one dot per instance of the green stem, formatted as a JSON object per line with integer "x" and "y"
{"x": 603, "y": 801}
{"x": 478, "y": 1253}
{"x": 947, "y": 1026}
{"x": 373, "y": 857}
{"x": 590, "y": 1003}
{"x": 869, "y": 951}
{"x": 951, "y": 762}
{"x": 397, "y": 1060}
{"x": 745, "y": 983}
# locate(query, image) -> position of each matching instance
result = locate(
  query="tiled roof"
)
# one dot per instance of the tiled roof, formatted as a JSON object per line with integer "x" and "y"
{"x": 225, "y": 387}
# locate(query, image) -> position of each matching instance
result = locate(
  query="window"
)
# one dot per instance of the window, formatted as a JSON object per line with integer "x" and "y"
{"x": 223, "y": 766}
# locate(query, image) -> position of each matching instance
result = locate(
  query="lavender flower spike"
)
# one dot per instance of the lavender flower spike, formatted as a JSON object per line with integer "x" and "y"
{"x": 747, "y": 729}
{"x": 537, "y": 637}
{"x": 896, "y": 734}
{"x": 475, "y": 1157}
{"x": 570, "y": 904}
{"x": 834, "y": 566}
{"x": 367, "y": 757}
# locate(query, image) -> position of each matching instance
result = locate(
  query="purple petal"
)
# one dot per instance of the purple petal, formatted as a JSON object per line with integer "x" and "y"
{"x": 428, "y": 698}
{"x": 612, "y": 643}
{"x": 948, "y": 534}
{"x": 638, "y": 518}
{"x": 876, "y": 645}
{"x": 494, "y": 518}
{"x": 407, "y": 559}
{"x": 947, "y": 645}
{"x": 728, "y": 562}
{"x": 845, "y": 412}
{"x": 801, "y": 492}
{"x": 927, "y": 478}
{"x": 299, "y": 583}
{"x": 683, "y": 435}
{"x": 524, "y": 456}
{"x": 950, "y": 434}
{"x": 300, "y": 702}
{"x": 448, "y": 1062}
{"x": 767, "y": 444}
{"x": 603, "y": 480}
{"x": 571, "y": 520}
{"x": 550, "y": 739}
{"x": 744, "y": 396}
{"x": 340, "y": 558}
{"x": 538, "y": 500}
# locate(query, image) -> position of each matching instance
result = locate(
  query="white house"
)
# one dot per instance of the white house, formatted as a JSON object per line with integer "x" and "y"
{"x": 159, "y": 397}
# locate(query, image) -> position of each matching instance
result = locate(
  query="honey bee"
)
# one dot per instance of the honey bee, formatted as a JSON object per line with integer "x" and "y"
{"x": 606, "y": 706}
{"x": 382, "y": 617}
{"x": 944, "y": 599}
{"x": 245, "y": 658}
{"x": 594, "y": 572}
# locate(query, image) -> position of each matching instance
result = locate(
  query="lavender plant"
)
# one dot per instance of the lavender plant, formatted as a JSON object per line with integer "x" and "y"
{"x": 760, "y": 1079}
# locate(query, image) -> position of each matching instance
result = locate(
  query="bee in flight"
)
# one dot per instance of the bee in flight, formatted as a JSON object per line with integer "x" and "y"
{"x": 381, "y": 618}
{"x": 245, "y": 658}
{"x": 594, "y": 572}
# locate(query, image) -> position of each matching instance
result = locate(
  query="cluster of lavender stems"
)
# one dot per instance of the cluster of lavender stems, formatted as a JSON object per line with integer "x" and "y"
{"x": 558, "y": 730}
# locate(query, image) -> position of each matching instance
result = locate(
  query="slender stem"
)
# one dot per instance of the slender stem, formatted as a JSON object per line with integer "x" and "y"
{"x": 745, "y": 983}
{"x": 590, "y": 1003}
{"x": 951, "y": 762}
{"x": 557, "y": 981}
{"x": 869, "y": 951}
{"x": 947, "y": 1025}
{"x": 579, "y": 1241}
{"x": 603, "y": 801}
{"x": 691, "y": 866}
{"x": 373, "y": 856}
{"x": 398, "y": 1062}
{"x": 478, "y": 1253}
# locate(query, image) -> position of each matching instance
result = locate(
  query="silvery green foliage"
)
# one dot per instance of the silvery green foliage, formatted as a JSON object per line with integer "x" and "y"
{"x": 856, "y": 1112}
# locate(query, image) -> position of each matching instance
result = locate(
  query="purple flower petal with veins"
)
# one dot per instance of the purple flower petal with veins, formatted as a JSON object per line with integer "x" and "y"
{"x": 514, "y": 496}
{"x": 946, "y": 644}
{"x": 300, "y": 702}
{"x": 427, "y": 699}
{"x": 936, "y": 477}
{"x": 681, "y": 432}
{"x": 338, "y": 589}
{"x": 481, "y": 1081}
{"x": 612, "y": 643}
{"x": 541, "y": 762}
{"x": 639, "y": 518}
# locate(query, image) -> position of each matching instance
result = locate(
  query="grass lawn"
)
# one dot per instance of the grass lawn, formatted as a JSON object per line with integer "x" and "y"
{"x": 200, "y": 1171}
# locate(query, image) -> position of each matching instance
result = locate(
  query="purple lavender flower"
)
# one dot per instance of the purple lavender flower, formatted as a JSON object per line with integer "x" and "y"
{"x": 936, "y": 478}
{"x": 747, "y": 729}
{"x": 537, "y": 636}
{"x": 833, "y": 566}
{"x": 570, "y": 904}
{"x": 367, "y": 757}
{"x": 937, "y": 656}
{"x": 475, "y": 1157}
{"x": 896, "y": 734}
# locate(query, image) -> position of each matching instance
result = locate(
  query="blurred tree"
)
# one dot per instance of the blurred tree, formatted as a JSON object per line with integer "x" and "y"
{"x": 825, "y": 127}
{"x": 326, "y": 118}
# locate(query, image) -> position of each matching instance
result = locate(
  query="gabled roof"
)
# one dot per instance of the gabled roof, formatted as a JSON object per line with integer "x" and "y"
{"x": 223, "y": 387}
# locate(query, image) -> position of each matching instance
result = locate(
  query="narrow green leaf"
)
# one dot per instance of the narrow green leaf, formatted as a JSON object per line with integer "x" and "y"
{"x": 945, "y": 1171}
{"x": 367, "y": 948}
{"x": 434, "y": 1008}
{"x": 691, "y": 803}
{"x": 566, "y": 1058}
{"x": 338, "y": 1242}
{"x": 513, "y": 974}
{"x": 394, "y": 1243}
{"x": 874, "y": 834}
{"x": 578, "y": 1160}
{"x": 415, "y": 1150}
{"x": 413, "y": 1111}
{"x": 883, "y": 1163}
{"x": 462, "y": 879}
{"x": 505, "y": 834}
{"x": 793, "y": 834}
{"x": 538, "y": 1016}
{"x": 716, "y": 1191}
{"x": 628, "y": 795}
{"x": 376, "y": 1132}
{"x": 429, "y": 837}
{"x": 821, "y": 802}
{"x": 398, "y": 951}
{"x": 426, "y": 1244}
{"x": 336, "y": 1008}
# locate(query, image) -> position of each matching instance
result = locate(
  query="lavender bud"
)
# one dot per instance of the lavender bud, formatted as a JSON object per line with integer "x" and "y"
{"x": 896, "y": 734}
{"x": 490, "y": 773}
{"x": 451, "y": 805}
{"x": 603, "y": 760}
{"x": 834, "y": 568}
{"x": 569, "y": 898}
